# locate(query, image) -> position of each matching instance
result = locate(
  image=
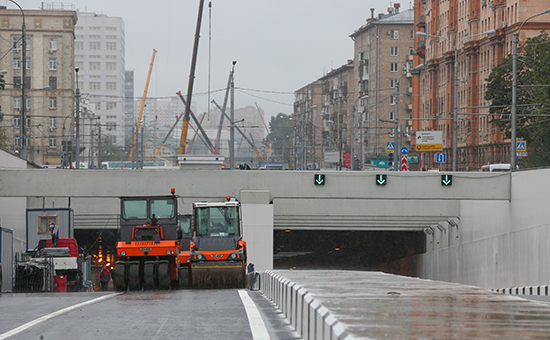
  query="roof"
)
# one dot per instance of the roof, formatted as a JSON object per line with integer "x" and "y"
{"x": 404, "y": 18}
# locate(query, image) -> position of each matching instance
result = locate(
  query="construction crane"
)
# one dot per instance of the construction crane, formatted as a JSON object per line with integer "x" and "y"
{"x": 185, "y": 125}
{"x": 142, "y": 104}
{"x": 241, "y": 132}
{"x": 224, "y": 107}
{"x": 199, "y": 126}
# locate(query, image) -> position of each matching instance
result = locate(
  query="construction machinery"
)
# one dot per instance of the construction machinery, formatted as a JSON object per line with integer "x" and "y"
{"x": 218, "y": 252}
{"x": 150, "y": 243}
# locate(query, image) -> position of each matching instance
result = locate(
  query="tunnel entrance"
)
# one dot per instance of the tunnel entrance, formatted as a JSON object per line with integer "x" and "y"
{"x": 99, "y": 243}
{"x": 346, "y": 250}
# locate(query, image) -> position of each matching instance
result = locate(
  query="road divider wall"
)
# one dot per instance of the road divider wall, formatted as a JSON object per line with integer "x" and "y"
{"x": 309, "y": 317}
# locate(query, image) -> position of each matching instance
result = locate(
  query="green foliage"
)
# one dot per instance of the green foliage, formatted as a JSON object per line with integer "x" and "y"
{"x": 281, "y": 129}
{"x": 111, "y": 151}
{"x": 532, "y": 124}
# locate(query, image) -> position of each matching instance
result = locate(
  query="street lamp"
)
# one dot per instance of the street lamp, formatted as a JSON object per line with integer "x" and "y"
{"x": 232, "y": 122}
{"x": 455, "y": 85}
{"x": 77, "y": 131}
{"x": 515, "y": 39}
{"x": 23, "y": 85}
{"x": 352, "y": 134}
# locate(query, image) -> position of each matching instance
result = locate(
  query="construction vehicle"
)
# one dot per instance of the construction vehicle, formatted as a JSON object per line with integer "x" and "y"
{"x": 186, "y": 229}
{"x": 218, "y": 252}
{"x": 149, "y": 245}
{"x": 47, "y": 265}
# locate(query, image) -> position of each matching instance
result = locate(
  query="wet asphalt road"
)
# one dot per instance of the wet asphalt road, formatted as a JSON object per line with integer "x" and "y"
{"x": 183, "y": 314}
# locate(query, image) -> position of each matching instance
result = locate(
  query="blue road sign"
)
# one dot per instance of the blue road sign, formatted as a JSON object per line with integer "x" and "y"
{"x": 390, "y": 146}
{"x": 441, "y": 157}
{"x": 404, "y": 150}
{"x": 521, "y": 146}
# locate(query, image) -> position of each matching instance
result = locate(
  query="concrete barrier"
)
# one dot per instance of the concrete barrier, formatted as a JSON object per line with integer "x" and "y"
{"x": 543, "y": 290}
{"x": 308, "y": 316}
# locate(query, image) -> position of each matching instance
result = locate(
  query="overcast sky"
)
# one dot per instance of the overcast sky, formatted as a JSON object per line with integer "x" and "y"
{"x": 279, "y": 45}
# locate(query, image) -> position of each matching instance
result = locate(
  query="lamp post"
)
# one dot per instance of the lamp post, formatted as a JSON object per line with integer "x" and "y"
{"x": 455, "y": 84}
{"x": 232, "y": 122}
{"x": 352, "y": 132}
{"x": 23, "y": 85}
{"x": 515, "y": 40}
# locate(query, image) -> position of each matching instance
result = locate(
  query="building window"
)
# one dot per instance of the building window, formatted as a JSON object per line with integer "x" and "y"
{"x": 53, "y": 64}
{"x": 28, "y": 64}
{"x": 53, "y": 123}
{"x": 394, "y": 51}
{"x": 16, "y": 44}
{"x": 110, "y": 28}
{"x": 53, "y": 142}
{"x": 98, "y": 106}
{"x": 53, "y": 44}
{"x": 392, "y": 83}
{"x": 394, "y": 34}
{"x": 111, "y": 126}
{"x": 110, "y": 86}
{"x": 79, "y": 45}
{"x": 94, "y": 45}
{"x": 412, "y": 34}
{"x": 16, "y": 63}
{"x": 393, "y": 67}
{"x": 95, "y": 85}
{"x": 44, "y": 223}
{"x": 79, "y": 64}
{"x": 392, "y": 114}
{"x": 110, "y": 36}
{"x": 111, "y": 106}
{"x": 16, "y": 82}
{"x": 110, "y": 66}
{"x": 94, "y": 28}
{"x": 409, "y": 65}
{"x": 94, "y": 65}
{"x": 17, "y": 102}
{"x": 95, "y": 36}
{"x": 28, "y": 108}
{"x": 110, "y": 46}
{"x": 392, "y": 99}
{"x": 53, "y": 103}
{"x": 53, "y": 83}
{"x": 411, "y": 51}
{"x": 16, "y": 121}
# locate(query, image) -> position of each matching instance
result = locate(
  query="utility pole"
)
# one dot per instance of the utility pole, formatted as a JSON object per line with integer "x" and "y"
{"x": 232, "y": 122}
{"x": 77, "y": 146}
{"x": 352, "y": 166}
{"x": 396, "y": 152}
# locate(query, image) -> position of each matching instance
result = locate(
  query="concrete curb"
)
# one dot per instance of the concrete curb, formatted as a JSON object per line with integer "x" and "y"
{"x": 309, "y": 318}
{"x": 527, "y": 290}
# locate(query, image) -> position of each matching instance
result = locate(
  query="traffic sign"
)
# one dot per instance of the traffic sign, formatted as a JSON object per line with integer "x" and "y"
{"x": 404, "y": 165}
{"x": 319, "y": 179}
{"x": 381, "y": 180}
{"x": 404, "y": 150}
{"x": 441, "y": 157}
{"x": 446, "y": 180}
{"x": 429, "y": 140}
{"x": 521, "y": 146}
{"x": 429, "y": 147}
{"x": 390, "y": 146}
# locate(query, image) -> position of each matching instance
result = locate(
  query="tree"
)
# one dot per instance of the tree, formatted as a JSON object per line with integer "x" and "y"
{"x": 112, "y": 152}
{"x": 281, "y": 129}
{"x": 532, "y": 96}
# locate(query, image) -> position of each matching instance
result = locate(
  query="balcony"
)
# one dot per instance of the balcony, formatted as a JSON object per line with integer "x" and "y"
{"x": 421, "y": 23}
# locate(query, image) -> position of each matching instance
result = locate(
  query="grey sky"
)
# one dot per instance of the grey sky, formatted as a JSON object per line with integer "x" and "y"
{"x": 279, "y": 45}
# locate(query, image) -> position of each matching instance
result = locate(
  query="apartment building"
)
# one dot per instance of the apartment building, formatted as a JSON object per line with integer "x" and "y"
{"x": 458, "y": 29}
{"x": 384, "y": 49}
{"x": 49, "y": 80}
{"x": 309, "y": 144}
{"x": 100, "y": 56}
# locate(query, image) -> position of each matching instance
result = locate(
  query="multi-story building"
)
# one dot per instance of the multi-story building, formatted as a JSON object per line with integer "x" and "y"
{"x": 129, "y": 118}
{"x": 49, "y": 80}
{"x": 457, "y": 29}
{"x": 309, "y": 142}
{"x": 384, "y": 49}
{"x": 100, "y": 54}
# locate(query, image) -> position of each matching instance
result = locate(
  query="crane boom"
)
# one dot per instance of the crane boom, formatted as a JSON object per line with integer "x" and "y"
{"x": 220, "y": 126}
{"x": 143, "y": 103}
{"x": 199, "y": 126}
{"x": 185, "y": 125}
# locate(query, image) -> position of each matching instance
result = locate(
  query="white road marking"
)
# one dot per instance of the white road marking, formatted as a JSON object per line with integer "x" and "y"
{"x": 53, "y": 315}
{"x": 257, "y": 326}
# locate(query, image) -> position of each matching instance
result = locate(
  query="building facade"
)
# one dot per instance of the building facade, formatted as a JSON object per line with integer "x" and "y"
{"x": 309, "y": 144}
{"x": 49, "y": 81}
{"x": 458, "y": 28}
{"x": 384, "y": 49}
{"x": 100, "y": 56}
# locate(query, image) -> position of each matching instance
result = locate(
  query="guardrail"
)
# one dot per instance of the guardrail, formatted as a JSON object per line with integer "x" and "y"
{"x": 528, "y": 290}
{"x": 309, "y": 318}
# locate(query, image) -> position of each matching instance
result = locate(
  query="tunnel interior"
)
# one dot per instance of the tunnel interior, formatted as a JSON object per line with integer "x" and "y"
{"x": 346, "y": 250}
{"x": 99, "y": 243}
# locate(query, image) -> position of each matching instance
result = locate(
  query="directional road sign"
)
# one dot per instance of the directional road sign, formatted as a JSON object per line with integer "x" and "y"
{"x": 404, "y": 150}
{"x": 441, "y": 157}
{"x": 380, "y": 179}
{"x": 521, "y": 146}
{"x": 390, "y": 146}
{"x": 446, "y": 180}
{"x": 319, "y": 179}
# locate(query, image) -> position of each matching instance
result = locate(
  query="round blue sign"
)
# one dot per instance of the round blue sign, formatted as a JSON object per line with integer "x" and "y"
{"x": 404, "y": 150}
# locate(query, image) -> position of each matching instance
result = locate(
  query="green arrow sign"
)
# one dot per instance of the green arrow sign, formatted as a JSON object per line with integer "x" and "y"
{"x": 380, "y": 179}
{"x": 319, "y": 179}
{"x": 446, "y": 180}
